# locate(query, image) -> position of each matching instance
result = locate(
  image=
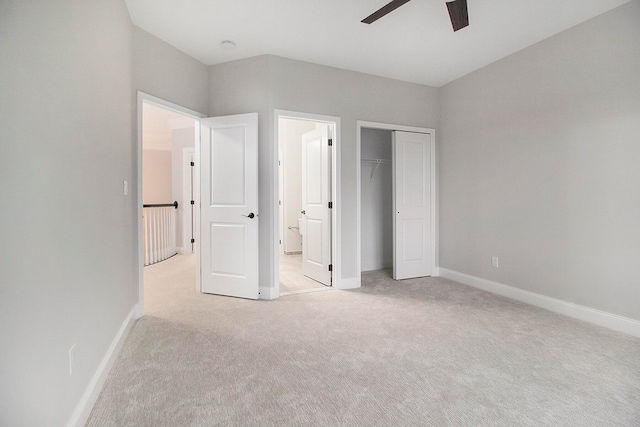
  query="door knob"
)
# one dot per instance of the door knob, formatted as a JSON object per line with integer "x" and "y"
{"x": 303, "y": 212}
{"x": 251, "y": 215}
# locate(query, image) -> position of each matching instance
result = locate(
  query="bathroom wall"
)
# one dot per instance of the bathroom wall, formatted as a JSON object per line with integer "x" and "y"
{"x": 290, "y": 132}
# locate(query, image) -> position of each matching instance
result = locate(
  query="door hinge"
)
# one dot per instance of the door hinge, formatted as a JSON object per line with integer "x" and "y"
{"x": 280, "y": 241}
{"x": 330, "y": 142}
{"x": 330, "y": 267}
{"x": 193, "y": 164}
{"x": 193, "y": 240}
{"x": 330, "y": 205}
{"x": 193, "y": 202}
{"x": 279, "y": 202}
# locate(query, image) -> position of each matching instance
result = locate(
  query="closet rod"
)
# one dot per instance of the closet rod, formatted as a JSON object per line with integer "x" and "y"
{"x": 376, "y": 162}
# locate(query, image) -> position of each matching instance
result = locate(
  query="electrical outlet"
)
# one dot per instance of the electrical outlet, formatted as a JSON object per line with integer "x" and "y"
{"x": 72, "y": 359}
{"x": 494, "y": 261}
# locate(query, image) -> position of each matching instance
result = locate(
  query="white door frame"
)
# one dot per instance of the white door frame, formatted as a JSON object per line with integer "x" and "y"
{"x": 150, "y": 99}
{"x": 335, "y": 195}
{"x": 188, "y": 184}
{"x": 360, "y": 124}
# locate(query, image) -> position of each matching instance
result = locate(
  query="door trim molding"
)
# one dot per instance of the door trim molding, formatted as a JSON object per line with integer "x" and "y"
{"x": 336, "y": 229}
{"x": 360, "y": 124}
{"x": 186, "y": 200}
{"x": 142, "y": 98}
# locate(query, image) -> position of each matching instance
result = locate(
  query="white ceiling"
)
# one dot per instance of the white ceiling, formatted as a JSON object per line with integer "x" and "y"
{"x": 415, "y": 43}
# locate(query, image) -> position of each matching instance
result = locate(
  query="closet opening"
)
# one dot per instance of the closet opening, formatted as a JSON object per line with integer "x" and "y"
{"x": 376, "y": 200}
{"x": 396, "y": 203}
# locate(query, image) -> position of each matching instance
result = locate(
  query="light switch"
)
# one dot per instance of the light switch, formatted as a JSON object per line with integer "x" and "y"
{"x": 125, "y": 188}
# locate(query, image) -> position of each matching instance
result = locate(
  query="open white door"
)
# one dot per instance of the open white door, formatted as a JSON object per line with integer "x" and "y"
{"x": 412, "y": 205}
{"x": 316, "y": 213}
{"x": 229, "y": 205}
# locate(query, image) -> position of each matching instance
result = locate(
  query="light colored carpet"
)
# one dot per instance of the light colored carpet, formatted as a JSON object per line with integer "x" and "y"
{"x": 421, "y": 352}
{"x": 291, "y": 278}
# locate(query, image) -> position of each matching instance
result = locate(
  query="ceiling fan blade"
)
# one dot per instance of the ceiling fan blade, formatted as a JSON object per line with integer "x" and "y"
{"x": 458, "y": 14}
{"x": 390, "y": 7}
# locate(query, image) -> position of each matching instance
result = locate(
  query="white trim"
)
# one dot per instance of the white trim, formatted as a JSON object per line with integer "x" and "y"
{"x": 350, "y": 283}
{"x": 268, "y": 293}
{"x": 281, "y": 201}
{"x": 186, "y": 199}
{"x": 336, "y": 229}
{"x": 434, "y": 191}
{"x": 85, "y": 405}
{"x": 308, "y": 291}
{"x": 597, "y": 317}
{"x": 150, "y": 99}
{"x": 196, "y": 217}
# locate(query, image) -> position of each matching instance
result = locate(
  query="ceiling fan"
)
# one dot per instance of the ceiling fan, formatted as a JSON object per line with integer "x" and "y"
{"x": 457, "y": 12}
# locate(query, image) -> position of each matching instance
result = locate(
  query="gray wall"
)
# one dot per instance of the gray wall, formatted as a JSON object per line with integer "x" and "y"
{"x": 68, "y": 247}
{"x": 539, "y": 164}
{"x": 69, "y": 254}
{"x": 161, "y": 70}
{"x": 265, "y": 83}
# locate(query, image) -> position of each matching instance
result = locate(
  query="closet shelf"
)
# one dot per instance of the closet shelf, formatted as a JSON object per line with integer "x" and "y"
{"x": 376, "y": 162}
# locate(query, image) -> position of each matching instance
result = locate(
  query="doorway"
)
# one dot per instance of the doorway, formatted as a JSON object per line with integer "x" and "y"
{"x": 167, "y": 135}
{"x": 396, "y": 202}
{"x": 376, "y": 199}
{"x": 306, "y": 197}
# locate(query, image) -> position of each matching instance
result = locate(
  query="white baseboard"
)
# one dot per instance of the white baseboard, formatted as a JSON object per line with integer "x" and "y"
{"x": 267, "y": 293}
{"x": 347, "y": 283}
{"x": 601, "y": 318}
{"x": 83, "y": 408}
{"x": 139, "y": 310}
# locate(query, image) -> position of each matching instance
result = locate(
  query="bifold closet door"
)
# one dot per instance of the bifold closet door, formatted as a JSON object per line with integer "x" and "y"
{"x": 412, "y": 205}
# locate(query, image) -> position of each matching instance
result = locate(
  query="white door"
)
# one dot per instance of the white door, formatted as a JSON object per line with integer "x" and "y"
{"x": 412, "y": 205}
{"x": 229, "y": 205}
{"x": 316, "y": 214}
